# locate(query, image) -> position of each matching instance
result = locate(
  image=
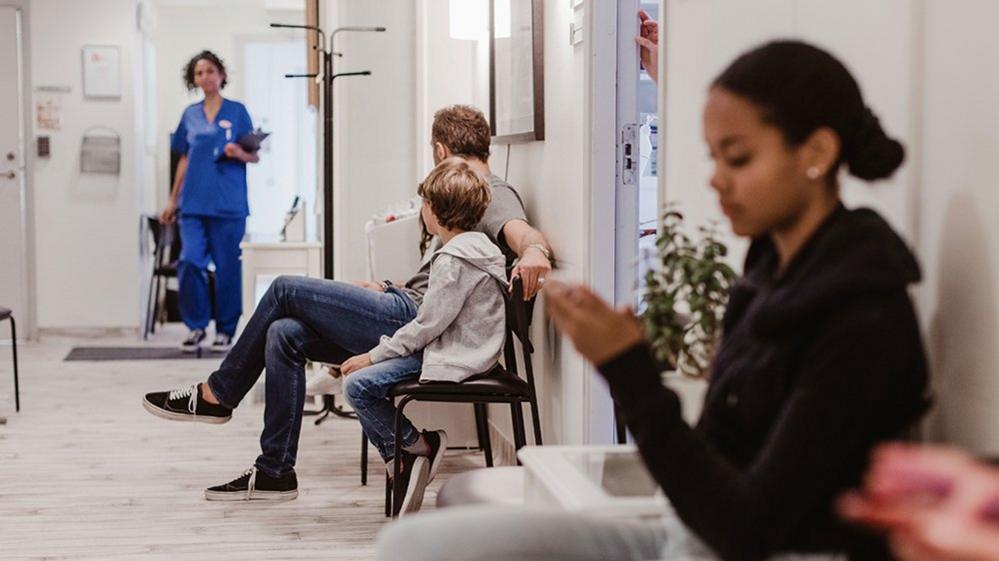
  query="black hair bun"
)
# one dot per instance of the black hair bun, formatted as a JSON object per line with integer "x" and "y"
{"x": 872, "y": 154}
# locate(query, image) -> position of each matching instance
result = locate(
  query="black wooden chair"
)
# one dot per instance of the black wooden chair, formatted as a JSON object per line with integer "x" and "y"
{"x": 5, "y": 314}
{"x": 164, "y": 266}
{"x": 502, "y": 384}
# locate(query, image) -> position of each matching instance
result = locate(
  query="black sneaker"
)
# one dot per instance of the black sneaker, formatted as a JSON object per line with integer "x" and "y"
{"x": 186, "y": 405}
{"x": 438, "y": 444}
{"x": 255, "y": 485}
{"x": 414, "y": 479}
{"x": 193, "y": 341}
{"x": 221, "y": 343}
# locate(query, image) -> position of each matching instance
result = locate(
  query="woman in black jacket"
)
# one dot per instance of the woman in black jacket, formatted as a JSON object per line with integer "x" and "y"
{"x": 821, "y": 356}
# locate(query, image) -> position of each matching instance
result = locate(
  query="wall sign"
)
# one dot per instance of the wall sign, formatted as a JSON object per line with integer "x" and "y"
{"x": 101, "y": 71}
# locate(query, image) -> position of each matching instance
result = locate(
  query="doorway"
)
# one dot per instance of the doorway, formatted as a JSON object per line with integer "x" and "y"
{"x": 14, "y": 270}
{"x": 287, "y": 168}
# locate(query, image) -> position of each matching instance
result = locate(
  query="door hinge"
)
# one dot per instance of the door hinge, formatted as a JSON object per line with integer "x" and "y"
{"x": 629, "y": 154}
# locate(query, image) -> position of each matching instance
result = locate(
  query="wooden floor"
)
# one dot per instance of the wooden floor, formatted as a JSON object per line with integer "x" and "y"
{"x": 87, "y": 473}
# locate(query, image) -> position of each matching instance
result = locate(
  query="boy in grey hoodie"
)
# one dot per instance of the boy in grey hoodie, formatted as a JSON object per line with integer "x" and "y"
{"x": 458, "y": 331}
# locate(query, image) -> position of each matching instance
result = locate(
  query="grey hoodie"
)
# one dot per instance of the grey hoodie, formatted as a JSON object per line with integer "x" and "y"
{"x": 461, "y": 324}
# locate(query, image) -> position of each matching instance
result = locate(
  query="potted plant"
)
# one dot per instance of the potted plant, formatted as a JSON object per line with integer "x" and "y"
{"x": 685, "y": 296}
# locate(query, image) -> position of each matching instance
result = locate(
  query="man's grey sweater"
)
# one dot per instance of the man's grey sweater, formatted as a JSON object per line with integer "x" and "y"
{"x": 460, "y": 325}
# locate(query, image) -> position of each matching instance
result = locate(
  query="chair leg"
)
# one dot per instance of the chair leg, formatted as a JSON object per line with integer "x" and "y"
{"x": 536, "y": 421}
{"x": 519, "y": 438}
{"x": 388, "y": 496}
{"x": 364, "y": 458}
{"x": 13, "y": 346}
{"x": 482, "y": 426}
{"x": 149, "y": 308}
{"x": 622, "y": 431}
{"x": 397, "y": 490}
{"x": 156, "y": 306}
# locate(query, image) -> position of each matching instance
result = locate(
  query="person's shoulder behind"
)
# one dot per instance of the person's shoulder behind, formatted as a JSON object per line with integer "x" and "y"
{"x": 502, "y": 189}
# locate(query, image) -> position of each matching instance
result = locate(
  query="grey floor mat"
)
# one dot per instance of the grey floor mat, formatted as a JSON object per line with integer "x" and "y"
{"x": 136, "y": 353}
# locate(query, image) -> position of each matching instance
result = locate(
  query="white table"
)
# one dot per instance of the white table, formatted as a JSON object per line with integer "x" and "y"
{"x": 599, "y": 480}
{"x": 266, "y": 259}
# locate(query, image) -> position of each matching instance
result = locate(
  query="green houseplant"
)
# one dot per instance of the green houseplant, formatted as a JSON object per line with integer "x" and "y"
{"x": 685, "y": 296}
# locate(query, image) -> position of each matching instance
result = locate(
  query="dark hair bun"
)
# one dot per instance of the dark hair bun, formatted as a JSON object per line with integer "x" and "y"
{"x": 871, "y": 154}
{"x": 800, "y": 88}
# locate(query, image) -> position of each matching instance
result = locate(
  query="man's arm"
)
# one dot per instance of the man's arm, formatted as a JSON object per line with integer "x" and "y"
{"x": 533, "y": 265}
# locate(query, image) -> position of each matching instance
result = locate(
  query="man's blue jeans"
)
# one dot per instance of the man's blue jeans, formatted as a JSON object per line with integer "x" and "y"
{"x": 295, "y": 313}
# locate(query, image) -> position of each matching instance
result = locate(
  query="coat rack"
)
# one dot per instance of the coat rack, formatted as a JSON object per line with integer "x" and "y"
{"x": 327, "y": 77}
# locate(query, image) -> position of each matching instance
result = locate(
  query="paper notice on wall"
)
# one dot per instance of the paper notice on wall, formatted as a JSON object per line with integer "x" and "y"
{"x": 48, "y": 111}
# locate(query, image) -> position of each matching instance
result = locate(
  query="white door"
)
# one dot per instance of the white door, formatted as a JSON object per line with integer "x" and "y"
{"x": 13, "y": 285}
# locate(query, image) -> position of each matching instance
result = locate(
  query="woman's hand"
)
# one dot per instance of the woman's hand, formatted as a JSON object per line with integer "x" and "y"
{"x": 169, "y": 214}
{"x": 236, "y": 152}
{"x": 935, "y": 503}
{"x": 597, "y": 331}
{"x": 355, "y": 363}
{"x": 648, "y": 43}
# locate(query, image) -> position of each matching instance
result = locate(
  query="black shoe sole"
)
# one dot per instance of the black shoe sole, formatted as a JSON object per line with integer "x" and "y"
{"x": 183, "y": 417}
{"x": 257, "y": 495}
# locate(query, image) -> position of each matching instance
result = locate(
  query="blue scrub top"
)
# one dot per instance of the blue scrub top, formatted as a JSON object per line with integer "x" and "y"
{"x": 214, "y": 185}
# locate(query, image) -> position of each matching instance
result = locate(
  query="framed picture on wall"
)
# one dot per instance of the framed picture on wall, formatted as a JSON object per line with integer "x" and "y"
{"x": 516, "y": 70}
{"x": 101, "y": 71}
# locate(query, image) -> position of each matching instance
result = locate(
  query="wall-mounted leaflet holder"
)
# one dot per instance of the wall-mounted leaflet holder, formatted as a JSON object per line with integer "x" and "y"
{"x": 100, "y": 153}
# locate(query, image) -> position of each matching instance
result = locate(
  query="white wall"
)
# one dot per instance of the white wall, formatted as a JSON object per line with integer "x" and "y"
{"x": 86, "y": 224}
{"x": 374, "y": 121}
{"x": 958, "y": 231}
{"x": 549, "y": 175}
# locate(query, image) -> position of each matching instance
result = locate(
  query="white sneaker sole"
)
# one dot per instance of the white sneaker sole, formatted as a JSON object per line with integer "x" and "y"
{"x": 189, "y": 349}
{"x": 417, "y": 486}
{"x": 183, "y": 417}
{"x": 436, "y": 463}
{"x": 236, "y": 496}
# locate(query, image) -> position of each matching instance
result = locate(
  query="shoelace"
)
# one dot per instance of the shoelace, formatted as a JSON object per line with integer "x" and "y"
{"x": 252, "y": 483}
{"x": 192, "y": 393}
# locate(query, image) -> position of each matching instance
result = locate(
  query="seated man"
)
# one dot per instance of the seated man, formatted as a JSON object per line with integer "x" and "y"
{"x": 297, "y": 312}
{"x": 457, "y": 333}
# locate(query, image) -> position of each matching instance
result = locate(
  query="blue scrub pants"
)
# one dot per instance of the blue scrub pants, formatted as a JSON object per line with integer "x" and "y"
{"x": 215, "y": 239}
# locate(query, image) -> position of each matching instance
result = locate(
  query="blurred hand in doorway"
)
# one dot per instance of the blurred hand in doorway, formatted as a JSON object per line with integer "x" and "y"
{"x": 648, "y": 43}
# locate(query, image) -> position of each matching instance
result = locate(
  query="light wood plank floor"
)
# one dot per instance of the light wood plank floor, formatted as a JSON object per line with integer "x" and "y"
{"x": 86, "y": 473}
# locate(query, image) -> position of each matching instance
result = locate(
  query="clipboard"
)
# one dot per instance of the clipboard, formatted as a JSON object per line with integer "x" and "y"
{"x": 251, "y": 140}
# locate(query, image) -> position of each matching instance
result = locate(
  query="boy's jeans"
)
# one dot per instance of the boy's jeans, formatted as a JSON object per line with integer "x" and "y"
{"x": 367, "y": 392}
{"x": 295, "y": 312}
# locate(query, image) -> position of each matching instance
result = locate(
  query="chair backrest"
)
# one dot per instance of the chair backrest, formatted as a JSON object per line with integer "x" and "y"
{"x": 518, "y": 326}
{"x": 162, "y": 237}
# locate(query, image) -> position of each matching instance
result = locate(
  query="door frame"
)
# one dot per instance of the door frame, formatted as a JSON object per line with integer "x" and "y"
{"x": 613, "y": 207}
{"x": 30, "y": 322}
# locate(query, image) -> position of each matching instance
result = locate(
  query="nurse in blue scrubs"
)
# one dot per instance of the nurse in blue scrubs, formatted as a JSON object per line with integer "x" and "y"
{"x": 209, "y": 202}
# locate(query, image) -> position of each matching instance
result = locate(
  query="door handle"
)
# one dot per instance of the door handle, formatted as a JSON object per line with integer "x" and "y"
{"x": 9, "y": 175}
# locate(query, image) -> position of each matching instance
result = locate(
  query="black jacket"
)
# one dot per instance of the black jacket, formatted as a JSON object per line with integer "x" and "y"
{"x": 815, "y": 367}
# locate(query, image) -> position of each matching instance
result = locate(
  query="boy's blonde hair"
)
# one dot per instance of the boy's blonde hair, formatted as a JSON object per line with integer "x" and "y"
{"x": 457, "y": 194}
